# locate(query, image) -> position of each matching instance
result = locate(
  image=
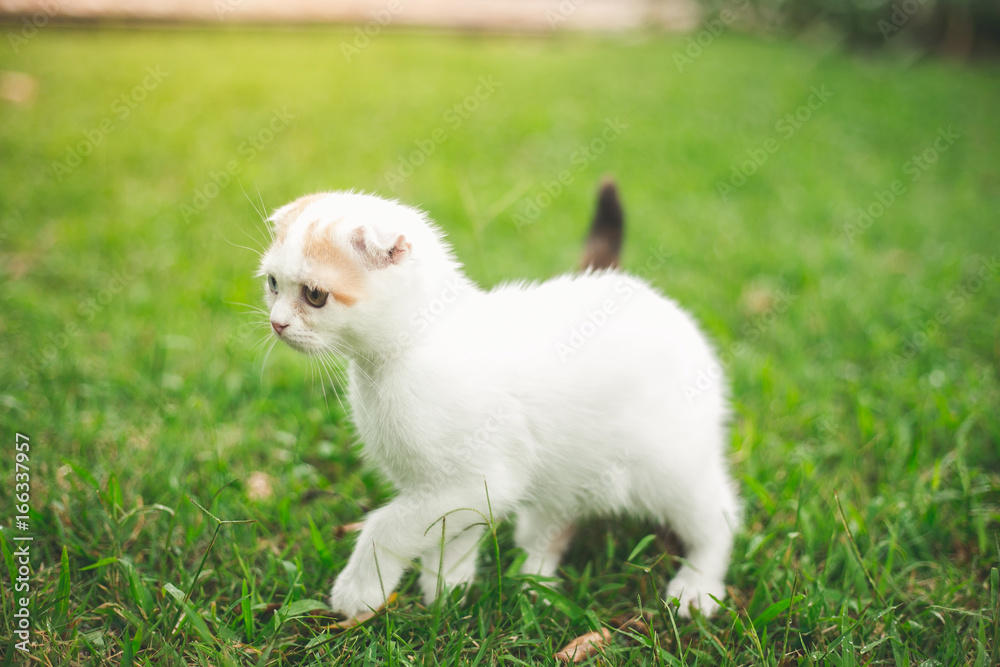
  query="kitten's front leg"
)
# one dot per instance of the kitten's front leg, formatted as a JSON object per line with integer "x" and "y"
{"x": 455, "y": 567}
{"x": 393, "y": 536}
{"x": 368, "y": 579}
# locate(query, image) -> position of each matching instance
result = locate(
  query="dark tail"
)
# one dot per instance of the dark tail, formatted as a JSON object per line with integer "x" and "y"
{"x": 603, "y": 247}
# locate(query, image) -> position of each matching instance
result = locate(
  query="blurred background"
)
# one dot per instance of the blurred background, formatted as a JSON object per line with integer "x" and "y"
{"x": 956, "y": 27}
{"x": 816, "y": 181}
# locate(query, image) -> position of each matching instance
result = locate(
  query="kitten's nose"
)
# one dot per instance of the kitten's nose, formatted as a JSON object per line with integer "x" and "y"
{"x": 278, "y": 328}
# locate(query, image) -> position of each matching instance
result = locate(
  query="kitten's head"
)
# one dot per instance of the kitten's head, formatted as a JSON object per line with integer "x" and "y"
{"x": 342, "y": 269}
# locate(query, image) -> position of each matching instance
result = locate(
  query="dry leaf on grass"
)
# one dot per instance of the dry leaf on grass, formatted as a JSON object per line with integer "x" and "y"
{"x": 635, "y": 622}
{"x": 259, "y": 486}
{"x": 321, "y": 614}
{"x": 734, "y": 595}
{"x": 584, "y": 646}
{"x": 340, "y": 531}
{"x": 362, "y": 617}
{"x": 349, "y": 623}
{"x": 269, "y": 610}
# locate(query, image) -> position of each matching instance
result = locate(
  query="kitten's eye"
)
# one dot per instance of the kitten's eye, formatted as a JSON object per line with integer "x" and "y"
{"x": 315, "y": 297}
{"x": 272, "y": 283}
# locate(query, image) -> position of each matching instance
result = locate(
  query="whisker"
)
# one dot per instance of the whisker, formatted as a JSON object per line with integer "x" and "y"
{"x": 318, "y": 361}
{"x": 335, "y": 370}
{"x": 255, "y": 309}
{"x": 342, "y": 380}
{"x": 335, "y": 373}
{"x": 315, "y": 376}
{"x": 260, "y": 246}
{"x": 259, "y": 253}
{"x": 266, "y": 357}
{"x": 267, "y": 226}
{"x": 261, "y": 213}
{"x": 252, "y": 315}
{"x": 258, "y": 349}
{"x": 265, "y": 326}
{"x": 254, "y": 325}
{"x": 342, "y": 351}
{"x": 324, "y": 375}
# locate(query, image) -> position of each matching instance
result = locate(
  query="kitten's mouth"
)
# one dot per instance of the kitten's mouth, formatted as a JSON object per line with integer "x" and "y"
{"x": 290, "y": 342}
{"x": 295, "y": 344}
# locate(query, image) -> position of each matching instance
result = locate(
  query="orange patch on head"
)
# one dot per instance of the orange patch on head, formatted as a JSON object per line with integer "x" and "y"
{"x": 340, "y": 273}
{"x": 294, "y": 210}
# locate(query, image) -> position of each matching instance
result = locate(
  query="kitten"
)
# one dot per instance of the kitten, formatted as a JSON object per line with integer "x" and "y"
{"x": 555, "y": 402}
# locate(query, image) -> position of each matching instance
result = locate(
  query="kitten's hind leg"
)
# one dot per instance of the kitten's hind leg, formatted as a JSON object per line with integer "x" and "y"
{"x": 706, "y": 529}
{"x": 459, "y": 563}
{"x": 544, "y": 537}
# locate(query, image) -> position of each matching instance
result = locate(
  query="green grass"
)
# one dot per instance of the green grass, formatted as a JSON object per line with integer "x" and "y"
{"x": 863, "y": 361}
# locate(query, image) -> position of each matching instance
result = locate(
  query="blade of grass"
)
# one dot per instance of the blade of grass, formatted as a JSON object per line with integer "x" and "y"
{"x": 856, "y": 551}
{"x": 190, "y": 613}
{"x": 247, "y": 612}
{"x": 61, "y": 611}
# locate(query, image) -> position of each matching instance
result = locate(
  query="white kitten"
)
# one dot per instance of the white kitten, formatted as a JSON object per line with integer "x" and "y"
{"x": 555, "y": 402}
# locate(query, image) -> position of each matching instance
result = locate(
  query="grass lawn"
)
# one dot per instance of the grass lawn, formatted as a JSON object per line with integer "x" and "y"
{"x": 863, "y": 348}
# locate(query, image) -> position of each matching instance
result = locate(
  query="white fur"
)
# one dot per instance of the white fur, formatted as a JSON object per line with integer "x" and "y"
{"x": 561, "y": 401}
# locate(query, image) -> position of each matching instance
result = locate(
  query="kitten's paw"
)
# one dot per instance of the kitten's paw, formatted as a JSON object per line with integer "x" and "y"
{"x": 694, "y": 592}
{"x": 429, "y": 586}
{"x": 461, "y": 576}
{"x": 354, "y": 598}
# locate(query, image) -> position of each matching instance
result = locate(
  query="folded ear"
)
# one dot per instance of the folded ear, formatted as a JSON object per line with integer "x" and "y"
{"x": 282, "y": 218}
{"x": 379, "y": 249}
